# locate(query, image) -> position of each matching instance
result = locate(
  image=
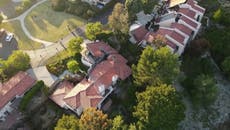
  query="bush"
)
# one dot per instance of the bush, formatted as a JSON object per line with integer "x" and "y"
{"x": 226, "y": 66}
{"x": 201, "y": 89}
{"x": 80, "y": 8}
{"x": 57, "y": 68}
{"x": 26, "y": 3}
{"x": 19, "y": 9}
{"x": 73, "y": 66}
{"x": 23, "y": 6}
{"x": 58, "y": 5}
{"x": 29, "y": 95}
{"x": 217, "y": 15}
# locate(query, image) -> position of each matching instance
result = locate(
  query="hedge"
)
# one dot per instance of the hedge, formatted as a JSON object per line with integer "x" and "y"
{"x": 29, "y": 95}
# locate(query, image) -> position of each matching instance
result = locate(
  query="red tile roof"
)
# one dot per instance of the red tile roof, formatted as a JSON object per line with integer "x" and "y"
{"x": 163, "y": 31}
{"x": 17, "y": 85}
{"x": 187, "y": 12}
{"x": 62, "y": 89}
{"x": 171, "y": 44}
{"x": 195, "y": 6}
{"x": 95, "y": 48}
{"x": 189, "y": 22}
{"x": 182, "y": 28}
{"x": 86, "y": 93}
{"x": 139, "y": 33}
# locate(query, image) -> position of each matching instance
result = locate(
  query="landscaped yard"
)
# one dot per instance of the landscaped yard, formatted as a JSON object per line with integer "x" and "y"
{"x": 46, "y": 24}
{"x": 24, "y": 42}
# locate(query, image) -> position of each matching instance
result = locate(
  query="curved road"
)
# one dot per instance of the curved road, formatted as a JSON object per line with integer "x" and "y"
{"x": 50, "y": 48}
{"x": 39, "y": 56}
{"x": 22, "y": 17}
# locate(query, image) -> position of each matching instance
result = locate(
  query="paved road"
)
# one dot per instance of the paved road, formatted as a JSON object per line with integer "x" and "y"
{"x": 39, "y": 56}
{"x": 22, "y": 17}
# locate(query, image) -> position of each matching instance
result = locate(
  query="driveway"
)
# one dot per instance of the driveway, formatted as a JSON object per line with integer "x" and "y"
{"x": 6, "y": 48}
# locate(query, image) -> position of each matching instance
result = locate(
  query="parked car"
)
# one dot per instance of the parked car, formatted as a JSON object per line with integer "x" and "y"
{"x": 9, "y": 37}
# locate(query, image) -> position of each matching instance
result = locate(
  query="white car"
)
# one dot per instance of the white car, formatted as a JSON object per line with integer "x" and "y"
{"x": 9, "y": 37}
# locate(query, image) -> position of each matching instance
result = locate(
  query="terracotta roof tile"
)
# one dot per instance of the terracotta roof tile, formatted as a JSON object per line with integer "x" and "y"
{"x": 195, "y": 6}
{"x": 182, "y": 28}
{"x": 17, "y": 85}
{"x": 62, "y": 89}
{"x": 187, "y": 12}
{"x": 94, "y": 101}
{"x": 86, "y": 93}
{"x": 188, "y": 21}
{"x": 139, "y": 33}
{"x": 163, "y": 31}
{"x": 96, "y": 47}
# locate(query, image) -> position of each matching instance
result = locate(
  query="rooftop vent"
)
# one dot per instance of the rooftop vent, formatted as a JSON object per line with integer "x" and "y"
{"x": 101, "y": 89}
{"x": 177, "y": 17}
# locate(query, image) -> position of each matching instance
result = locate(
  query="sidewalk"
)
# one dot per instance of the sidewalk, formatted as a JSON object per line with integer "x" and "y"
{"x": 39, "y": 56}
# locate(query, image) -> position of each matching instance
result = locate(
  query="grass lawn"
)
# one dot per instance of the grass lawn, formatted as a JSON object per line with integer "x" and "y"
{"x": 4, "y": 2}
{"x": 59, "y": 56}
{"x": 24, "y": 42}
{"x": 46, "y": 24}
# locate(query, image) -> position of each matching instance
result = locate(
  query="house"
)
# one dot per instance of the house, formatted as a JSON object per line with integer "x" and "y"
{"x": 178, "y": 23}
{"x": 12, "y": 89}
{"x": 106, "y": 68}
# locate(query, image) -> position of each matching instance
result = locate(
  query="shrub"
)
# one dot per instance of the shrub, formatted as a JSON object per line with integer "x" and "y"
{"x": 26, "y": 3}
{"x": 217, "y": 15}
{"x": 58, "y": 5}
{"x": 226, "y": 65}
{"x": 19, "y": 9}
{"x": 23, "y": 6}
{"x": 29, "y": 95}
{"x": 56, "y": 68}
{"x": 73, "y": 66}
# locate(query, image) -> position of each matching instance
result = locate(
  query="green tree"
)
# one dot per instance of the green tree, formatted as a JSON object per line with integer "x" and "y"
{"x": 133, "y": 7}
{"x": 156, "y": 67}
{"x": 198, "y": 47}
{"x": 226, "y": 65}
{"x": 93, "y": 119}
{"x": 118, "y": 123}
{"x": 74, "y": 45}
{"x": 73, "y": 66}
{"x": 118, "y": 20}
{"x": 17, "y": 61}
{"x": 58, "y": 5}
{"x": 217, "y": 15}
{"x": 204, "y": 91}
{"x": 148, "y": 5}
{"x": 67, "y": 123}
{"x": 159, "y": 108}
{"x": 92, "y": 29}
{"x": 132, "y": 127}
